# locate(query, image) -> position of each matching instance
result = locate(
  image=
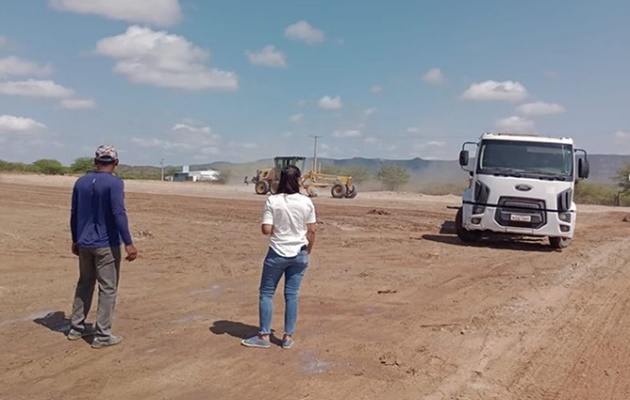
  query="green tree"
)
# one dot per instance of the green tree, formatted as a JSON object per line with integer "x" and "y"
{"x": 16, "y": 167}
{"x": 49, "y": 167}
{"x": 82, "y": 165}
{"x": 393, "y": 177}
{"x": 623, "y": 179}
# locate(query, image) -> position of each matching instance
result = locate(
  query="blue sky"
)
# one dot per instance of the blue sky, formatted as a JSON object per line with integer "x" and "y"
{"x": 196, "y": 81}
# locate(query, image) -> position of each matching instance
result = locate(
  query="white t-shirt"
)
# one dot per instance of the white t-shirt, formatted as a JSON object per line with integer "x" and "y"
{"x": 289, "y": 214}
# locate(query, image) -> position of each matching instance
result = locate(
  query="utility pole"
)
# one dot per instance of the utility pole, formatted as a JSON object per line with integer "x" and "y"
{"x": 315, "y": 152}
{"x": 162, "y": 166}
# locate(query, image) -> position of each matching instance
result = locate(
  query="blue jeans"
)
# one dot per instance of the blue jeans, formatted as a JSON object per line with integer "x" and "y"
{"x": 293, "y": 269}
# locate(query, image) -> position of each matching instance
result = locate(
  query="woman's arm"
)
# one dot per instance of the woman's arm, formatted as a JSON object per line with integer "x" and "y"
{"x": 310, "y": 236}
{"x": 266, "y": 229}
{"x": 267, "y": 219}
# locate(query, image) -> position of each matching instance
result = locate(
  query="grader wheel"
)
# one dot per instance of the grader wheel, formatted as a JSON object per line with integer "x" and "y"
{"x": 338, "y": 191}
{"x": 352, "y": 192}
{"x": 262, "y": 187}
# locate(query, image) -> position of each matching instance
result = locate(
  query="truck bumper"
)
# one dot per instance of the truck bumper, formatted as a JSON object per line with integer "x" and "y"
{"x": 487, "y": 222}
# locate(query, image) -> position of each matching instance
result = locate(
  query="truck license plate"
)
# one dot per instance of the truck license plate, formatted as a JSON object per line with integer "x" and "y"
{"x": 520, "y": 218}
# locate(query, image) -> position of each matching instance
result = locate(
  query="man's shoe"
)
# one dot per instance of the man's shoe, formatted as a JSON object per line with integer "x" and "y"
{"x": 74, "y": 334}
{"x": 110, "y": 341}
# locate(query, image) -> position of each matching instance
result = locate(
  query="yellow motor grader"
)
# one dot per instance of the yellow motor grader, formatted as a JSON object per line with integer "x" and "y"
{"x": 267, "y": 180}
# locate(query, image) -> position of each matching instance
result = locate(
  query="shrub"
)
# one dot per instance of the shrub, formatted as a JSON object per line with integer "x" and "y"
{"x": 49, "y": 167}
{"x": 393, "y": 177}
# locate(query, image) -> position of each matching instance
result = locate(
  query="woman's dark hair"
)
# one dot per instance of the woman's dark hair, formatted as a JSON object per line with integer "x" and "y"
{"x": 289, "y": 180}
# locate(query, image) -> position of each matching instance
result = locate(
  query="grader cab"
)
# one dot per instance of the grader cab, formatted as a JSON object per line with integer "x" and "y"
{"x": 267, "y": 180}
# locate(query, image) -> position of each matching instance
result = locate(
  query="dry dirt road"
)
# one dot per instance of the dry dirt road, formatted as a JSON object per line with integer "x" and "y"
{"x": 392, "y": 306}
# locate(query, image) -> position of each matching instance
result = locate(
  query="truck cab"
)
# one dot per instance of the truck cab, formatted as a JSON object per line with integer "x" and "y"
{"x": 520, "y": 185}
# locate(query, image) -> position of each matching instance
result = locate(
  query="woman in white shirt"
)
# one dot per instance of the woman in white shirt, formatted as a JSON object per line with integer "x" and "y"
{"x": 289, "y": 220}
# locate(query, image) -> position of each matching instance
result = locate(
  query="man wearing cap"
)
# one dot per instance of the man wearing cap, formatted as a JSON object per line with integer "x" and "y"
{"x": 99, "y": 226}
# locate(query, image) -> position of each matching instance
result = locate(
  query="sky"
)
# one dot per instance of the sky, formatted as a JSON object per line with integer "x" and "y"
{"x": 196, "y": 81}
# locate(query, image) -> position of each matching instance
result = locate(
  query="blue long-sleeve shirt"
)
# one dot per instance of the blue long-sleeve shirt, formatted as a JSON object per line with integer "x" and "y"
{"x": 98, "y": 217}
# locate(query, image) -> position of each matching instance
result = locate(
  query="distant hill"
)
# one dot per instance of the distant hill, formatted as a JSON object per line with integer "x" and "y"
{"x": 604, "y": 167}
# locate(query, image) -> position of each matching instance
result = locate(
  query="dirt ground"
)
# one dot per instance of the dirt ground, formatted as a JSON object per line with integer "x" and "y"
{"x": 392, "y": 306}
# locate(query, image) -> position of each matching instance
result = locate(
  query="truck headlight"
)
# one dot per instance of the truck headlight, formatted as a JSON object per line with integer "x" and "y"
{"x": 565, "y": 216}
{"x": 478, "y": 209}
{"x": 564, "y": 200}
{"x": 482, "y": 193}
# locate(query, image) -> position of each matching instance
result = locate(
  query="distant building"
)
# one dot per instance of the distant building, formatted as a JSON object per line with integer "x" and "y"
{"x": 196, "y": 176}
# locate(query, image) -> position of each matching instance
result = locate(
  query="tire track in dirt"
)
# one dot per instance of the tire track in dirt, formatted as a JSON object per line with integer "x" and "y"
{"x": 538, "y": 348}
{"x": 587, "y": 355}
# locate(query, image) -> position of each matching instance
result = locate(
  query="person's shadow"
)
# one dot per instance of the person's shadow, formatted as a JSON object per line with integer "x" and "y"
{"x": 238, "y": 330}
{"x": 55, "y": 321}
{"x": 58, "y": 322}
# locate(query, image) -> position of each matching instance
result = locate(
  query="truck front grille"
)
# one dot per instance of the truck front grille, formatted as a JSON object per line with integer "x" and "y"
{"x": 520, "y": 212}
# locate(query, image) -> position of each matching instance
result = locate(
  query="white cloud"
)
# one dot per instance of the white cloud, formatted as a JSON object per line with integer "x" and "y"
{"x": 515, "y": 124}
{"x": 371, "y": 140}
{"x": 15, "y": 66}
{"x": 268, "y": 56}
{"x": 431, "y": 144}
{"x": 242, "y": 145}
{"x": 376, "y": 89}
{"x": 165, "y": 60}
{"x": 4, "y": 41}
{"x": 152, "y": 12}
{"x": 433, "y": 76}
{"x": 490, "y": 90}
{"x": 622, "y": 136}
{"x": 287, "y": 134}
{"x": 35, "y": 88}
{"x": 413, "y": 129}
{"x": 184, "y": 139}
{"x": 191, "y": 128}
{"x": 347, "y": 133}
{"x": 10, "y": 123}
{"x": 304, "y": 32}
{"x": 539, "y": 108}
{"x": 301, "y": 103}
{"x": 369, "y": 111}
{"x": 330, "y": 103}
{"x": 297, "y": 118}
{"x": 77, "y": 104}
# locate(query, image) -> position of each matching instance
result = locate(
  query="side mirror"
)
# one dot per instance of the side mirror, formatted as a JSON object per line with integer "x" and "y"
{"x": 463, "y": 158}
{"x": 583, "y": 168}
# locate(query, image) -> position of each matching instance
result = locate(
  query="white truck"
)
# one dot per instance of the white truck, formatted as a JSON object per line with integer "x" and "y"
{"x": 521, "y": 185}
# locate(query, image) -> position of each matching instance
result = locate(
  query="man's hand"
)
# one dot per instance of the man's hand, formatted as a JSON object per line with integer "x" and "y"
{"x": 132, "y": 253}
{"x": 75, "y": 249}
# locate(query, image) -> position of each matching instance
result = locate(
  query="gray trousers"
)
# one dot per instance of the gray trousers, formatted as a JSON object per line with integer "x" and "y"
{"x": 100, "y": 265}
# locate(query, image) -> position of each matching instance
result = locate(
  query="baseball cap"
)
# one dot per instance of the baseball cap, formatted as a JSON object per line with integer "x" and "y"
{"x": 106, "y": 153}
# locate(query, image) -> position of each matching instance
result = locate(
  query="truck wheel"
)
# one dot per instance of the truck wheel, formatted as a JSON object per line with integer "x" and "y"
{"x": 338, "y": 191}
{"x": 352, "y": 193}
{"x": 262, "y": 187}
{"x": 464, "y": 235}
{"x": 559, "y": 242}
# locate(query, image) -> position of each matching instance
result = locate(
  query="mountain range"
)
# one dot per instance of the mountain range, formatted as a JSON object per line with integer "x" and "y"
{"x": 603, "y": 167}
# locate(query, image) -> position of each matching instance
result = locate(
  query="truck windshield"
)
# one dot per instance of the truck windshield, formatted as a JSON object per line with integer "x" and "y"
{"x": 527, "y": 159}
